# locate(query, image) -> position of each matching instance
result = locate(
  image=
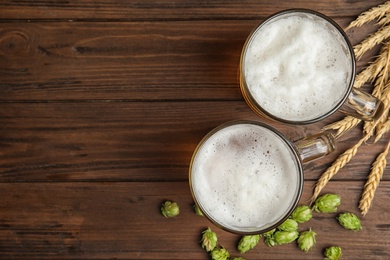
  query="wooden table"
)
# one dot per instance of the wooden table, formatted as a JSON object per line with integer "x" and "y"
{"x": 102, "y": 104}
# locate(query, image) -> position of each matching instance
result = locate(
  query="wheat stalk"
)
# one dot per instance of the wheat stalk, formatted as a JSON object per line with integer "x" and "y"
{"x": 343, "y": 126}
{"x": 383, "y": 125}
{"x": 381, "y": 129}
{"x": 372, "y": 14}
{"x": 373, "y": 180}
{"x": 371, "y": 41}
{"x": 374, "y": 69}
{"x": 340, "y": 162}
{"x": 378, "y": 72}
{"x": 384, "y": 20}
{"x": 369, "y": 127}
{"x": 385, "y": 98}
{"x": 368, "y": 74}
{"x": 383, "y": 75}
{"x": 381, "y": 84}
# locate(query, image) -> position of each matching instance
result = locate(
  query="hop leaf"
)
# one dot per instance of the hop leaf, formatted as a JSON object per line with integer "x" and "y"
{"x": 285, "y": 237}
{"x": 248, "y": 242}
{"x": 302, "y": 214}
{"x": 327, "y": 203}
{"x": 333, "y": 253}
{"x": 306, "y": 240}
{"x": 288, "y": 225}
{"x": 209, "y": 240}
{"x": 349, "y": 221}
{"x": 170, "y": 209}
{"x": 219, "y": 254}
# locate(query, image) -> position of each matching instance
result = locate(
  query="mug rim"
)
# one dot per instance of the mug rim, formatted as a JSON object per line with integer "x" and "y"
{"x": 300, "y": 178}
{"x": 251, "y": 101}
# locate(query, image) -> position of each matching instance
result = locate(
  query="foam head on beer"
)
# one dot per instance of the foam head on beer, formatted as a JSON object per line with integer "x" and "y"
{"x": 297, "y": 66}
{"x": 245, "y": 177}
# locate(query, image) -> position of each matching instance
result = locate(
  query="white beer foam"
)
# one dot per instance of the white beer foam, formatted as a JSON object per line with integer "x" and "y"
{"x": 245, "y": 176}
{"x": 296, "y": 67}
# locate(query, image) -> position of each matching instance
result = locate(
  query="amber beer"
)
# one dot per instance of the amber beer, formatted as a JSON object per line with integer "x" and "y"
{"x": 246, "y": 177}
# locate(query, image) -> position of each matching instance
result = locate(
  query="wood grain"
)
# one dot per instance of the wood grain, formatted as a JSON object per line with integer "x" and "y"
{"x": 172, "y": 10}
{"x": 181, "y": 60}
{"x": 102, "y": 104}
{"x": 129, "y": 140}
{"x": 122, "y": 220}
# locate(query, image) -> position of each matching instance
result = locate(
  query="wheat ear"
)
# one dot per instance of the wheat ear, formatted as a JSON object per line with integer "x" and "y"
{"x": 383, "y": 75}
{"x": 343, "y": 126}
{"x": 374, "y": 69}
{"x": 381, "y": 129}
{"x": 370, "y": 126}
{"x": 370, "y": 15}
{"x": 383, "y": 125}
{"x": 373, "y": 181}
{"x": 371, "y": 41}
{"x": 368, "y": 74}
{"x": 384, "y": 20}
{"x": 386, "y": 103}
{"x": 340, "y": 162}
{"x": 382, "y": 87}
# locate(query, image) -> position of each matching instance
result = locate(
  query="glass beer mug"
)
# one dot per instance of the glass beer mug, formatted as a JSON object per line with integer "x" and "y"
{"x": 298, "y": 67}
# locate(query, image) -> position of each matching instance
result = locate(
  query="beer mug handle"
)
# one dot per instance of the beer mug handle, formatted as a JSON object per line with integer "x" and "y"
{"x": 316, "y": 146}
{"x": 362, "y": 105}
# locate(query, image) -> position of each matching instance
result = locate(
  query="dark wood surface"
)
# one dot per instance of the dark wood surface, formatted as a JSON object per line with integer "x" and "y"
{"x": 102, "y": 104}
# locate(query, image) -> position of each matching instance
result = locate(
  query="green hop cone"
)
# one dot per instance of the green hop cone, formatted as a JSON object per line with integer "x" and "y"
{"x": 288, "y": 225}
{"x": 209, "y": 240}
{"x": 270, "y": 241}
{"x": 269, "y": 237}
{"x": 269, "y": 233}
{"x": 198, "y": 211}
{"x": 247, "y": 243}
{"x": 170, "y": 209}
{"x": 327, "y": 203}
{"x": 349, "y": 221}
{"x": 285, "y": 237}
{"x": 219, "y": 254}
{"x": 306, "y": 240}
{"x": 332, "y": 253}
{"x": 302, "y": 214}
